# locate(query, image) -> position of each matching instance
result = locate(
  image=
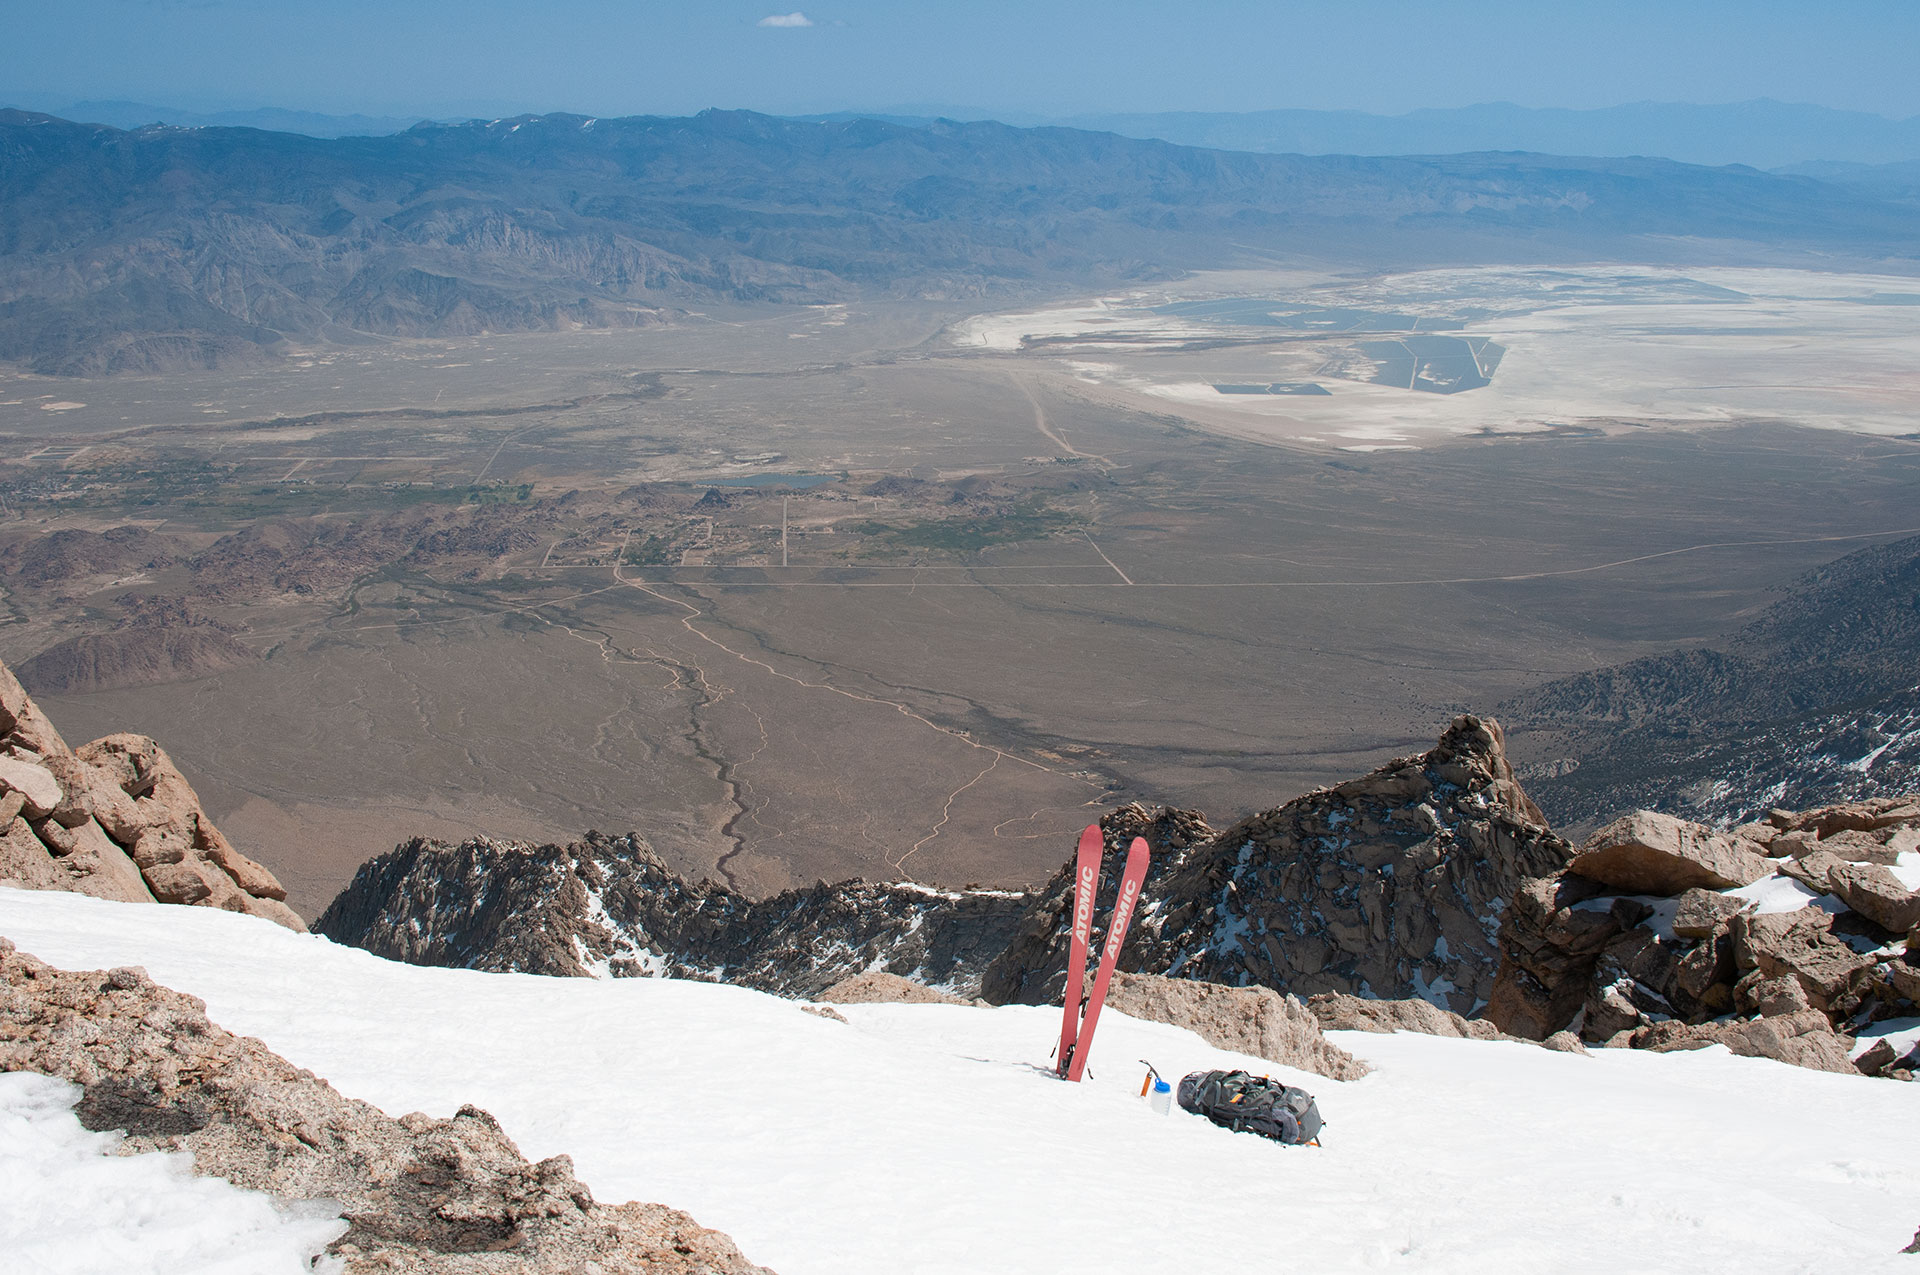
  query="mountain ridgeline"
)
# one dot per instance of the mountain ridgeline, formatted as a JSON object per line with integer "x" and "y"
{"x": 1816, "y": 700}
{"x": 1433, "y": 880}
{"x": 170, "y": 247}
{"x": 1390, "y": 885}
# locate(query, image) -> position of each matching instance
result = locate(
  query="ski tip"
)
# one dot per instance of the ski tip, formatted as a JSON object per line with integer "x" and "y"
{"x": 1090, "y": 837}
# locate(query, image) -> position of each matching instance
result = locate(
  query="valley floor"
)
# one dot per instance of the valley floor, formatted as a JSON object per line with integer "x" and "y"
{"x": 933, "y": 1138}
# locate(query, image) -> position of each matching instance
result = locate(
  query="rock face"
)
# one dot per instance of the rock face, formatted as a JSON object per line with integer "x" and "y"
{"x": 1649, "y": 853}
{"x": 1598, "y": 948}
{"x": 1390, "y": 885}
{"x": 419, "y": 1195}
{"x": 609, "y": 906}
{"x": 115, "y": 819}
{"x": 1246, "y": 1020}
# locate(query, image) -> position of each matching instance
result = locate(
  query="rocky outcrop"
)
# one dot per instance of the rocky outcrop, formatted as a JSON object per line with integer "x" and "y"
{"x": 609, "y": 906}
{"x": 115, "y": 819}
{"x": 419, "y": 1195}
{"x": 1336, "y": 1011}
{"x": 1649, "y": 853}
{"x": 1391, "y": 885}
{"x": 879, "y": 987}
{"x": 1246, "y": 1020}
{"x": 1641, "y": 942}
{"x": 1804, "y": 1038}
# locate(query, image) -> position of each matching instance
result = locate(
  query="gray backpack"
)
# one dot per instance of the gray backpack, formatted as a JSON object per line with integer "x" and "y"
{"x": 1246, "y": 1103}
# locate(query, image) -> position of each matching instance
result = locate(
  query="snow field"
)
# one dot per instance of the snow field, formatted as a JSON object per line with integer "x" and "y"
{"x": 933, "y": 1139}
{"x": 71, "y": 1207}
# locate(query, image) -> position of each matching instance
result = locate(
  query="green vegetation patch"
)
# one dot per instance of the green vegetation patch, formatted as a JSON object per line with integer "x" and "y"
{"x": 651, "y": 552}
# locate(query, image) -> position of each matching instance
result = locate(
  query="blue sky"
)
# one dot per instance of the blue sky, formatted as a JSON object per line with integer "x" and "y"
{"x": 1038, "y": 58}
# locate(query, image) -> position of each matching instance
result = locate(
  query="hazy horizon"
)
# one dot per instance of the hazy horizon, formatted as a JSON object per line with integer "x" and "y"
{"x": 993, "y": 59}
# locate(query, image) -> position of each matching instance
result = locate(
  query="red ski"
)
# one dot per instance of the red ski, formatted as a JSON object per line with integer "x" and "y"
{"x": 1130, "y": 881}
{"x": 1086, "y": 881}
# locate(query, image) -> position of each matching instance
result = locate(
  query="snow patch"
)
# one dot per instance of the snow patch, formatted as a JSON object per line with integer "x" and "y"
{"x": 72, "y": 1205}
{"x": 1783, "y": 894}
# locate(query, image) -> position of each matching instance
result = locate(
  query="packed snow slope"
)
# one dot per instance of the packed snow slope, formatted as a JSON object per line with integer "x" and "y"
{"x": 932, "y": 1138}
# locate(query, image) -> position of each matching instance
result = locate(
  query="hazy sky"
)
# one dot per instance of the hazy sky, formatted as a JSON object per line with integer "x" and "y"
{"x": 458, "y": 57}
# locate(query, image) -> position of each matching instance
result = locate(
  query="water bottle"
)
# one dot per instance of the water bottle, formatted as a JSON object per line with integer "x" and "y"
{"x": 1162, "y": 1098}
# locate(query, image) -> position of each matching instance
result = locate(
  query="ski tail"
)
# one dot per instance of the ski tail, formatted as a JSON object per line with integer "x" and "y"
{"x": 1130, "y": 881}
{"x": 1086, "y": 881}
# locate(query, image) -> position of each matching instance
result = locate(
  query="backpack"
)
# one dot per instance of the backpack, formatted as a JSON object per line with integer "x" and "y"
{"x": 1252, "y": 1104}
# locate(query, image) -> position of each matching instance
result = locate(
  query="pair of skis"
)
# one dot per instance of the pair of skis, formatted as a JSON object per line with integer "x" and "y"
{"x": 1076, "y": 1028}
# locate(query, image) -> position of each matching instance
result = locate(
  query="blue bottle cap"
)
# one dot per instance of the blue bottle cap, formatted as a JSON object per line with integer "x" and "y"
{"x": 1161, "y": 1086}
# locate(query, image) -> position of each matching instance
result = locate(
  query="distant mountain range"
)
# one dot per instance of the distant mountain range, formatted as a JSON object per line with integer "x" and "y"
{"x": 1761, "y": 133}
{"x": 167, "y": 247}
{"x": 121, "y": 114}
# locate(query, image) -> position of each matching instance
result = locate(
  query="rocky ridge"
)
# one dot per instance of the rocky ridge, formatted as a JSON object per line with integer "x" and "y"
{"x": 1777, "y": 939}
{"x": 1390, "y": 885}
{"x": 115, "y": 819}
{"x": 610, "y": 906}
{"x": 420, "y": 1196}
{"x": 1429, "y": 895}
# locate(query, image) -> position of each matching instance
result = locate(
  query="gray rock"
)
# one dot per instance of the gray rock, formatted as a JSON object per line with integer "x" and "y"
{"x": 1876, "y": 1059}
{"x": 1773, "y": 997}
{"x": 97, "y": 866}
{"x": 1878, "y": 895}
{"x": 1801, "y": 945}
{"x": 39, "y": 790}
{"x": 1564, "y": 1043}
{"x": 1649, "y": 853}
{"x": 1793, "y": 845}
{"x": 1611, "y": 1013}
{"x": 420, "y": 1195}
{"x": 1804, "y": 1039}
{"x": 1245, "y": 1020}
{"x": 26, "y": 864}
{"x": 1339, "y": 1012}
{"x": 1704, "y": 976}
{"x": 1701, "y": 912}
{"x": 1814, "y": 870}
{"x": 1861, "y": 847}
